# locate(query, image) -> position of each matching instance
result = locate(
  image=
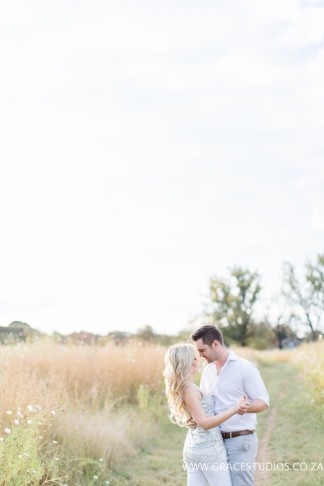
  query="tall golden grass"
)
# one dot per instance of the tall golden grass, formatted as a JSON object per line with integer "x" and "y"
{"x": 70, "y": 413}
{"x": 93, "y": 397}
{"x": 310, "y": 361}
{"x": 89, "y": 375}
{"x": 265, "y": 357}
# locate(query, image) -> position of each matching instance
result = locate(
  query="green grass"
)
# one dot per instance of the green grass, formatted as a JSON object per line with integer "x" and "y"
{"x": 297, "y": 438}
{"x": 159, "y": 458}
{"x": 24, "y": 459}
{"x": 159, "y": 463}
{"x": 295, "y": 433}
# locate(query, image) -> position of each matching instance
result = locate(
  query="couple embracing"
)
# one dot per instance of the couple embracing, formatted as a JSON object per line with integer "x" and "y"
{"x": 221, "y": 443}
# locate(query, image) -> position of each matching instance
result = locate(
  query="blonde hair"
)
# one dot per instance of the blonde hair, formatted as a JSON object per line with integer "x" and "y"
{"x": 178, "y": 361}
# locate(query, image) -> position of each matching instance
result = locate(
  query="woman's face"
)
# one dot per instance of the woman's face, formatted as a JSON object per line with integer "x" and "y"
{"x": 194, "y": 366}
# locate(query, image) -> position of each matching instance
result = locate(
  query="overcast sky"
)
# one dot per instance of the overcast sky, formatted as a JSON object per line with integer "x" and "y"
{"x": 147, "y": 145}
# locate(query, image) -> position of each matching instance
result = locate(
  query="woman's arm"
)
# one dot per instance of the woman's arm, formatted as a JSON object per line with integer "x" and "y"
{"x": 192, "y": 399}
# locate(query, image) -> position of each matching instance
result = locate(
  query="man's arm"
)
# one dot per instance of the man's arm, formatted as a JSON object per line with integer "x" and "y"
{"x": 257, "y": 406}
{"x": 256, "y": 390}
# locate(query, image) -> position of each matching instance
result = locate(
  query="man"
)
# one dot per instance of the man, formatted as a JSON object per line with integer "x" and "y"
{"x": 228, "y": 377}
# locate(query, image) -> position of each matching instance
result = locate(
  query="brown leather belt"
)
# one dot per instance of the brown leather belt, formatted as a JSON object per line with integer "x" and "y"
{"x": 229, "y": 435}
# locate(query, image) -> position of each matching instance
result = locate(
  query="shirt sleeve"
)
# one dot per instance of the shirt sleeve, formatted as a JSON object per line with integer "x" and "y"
{"x": 254, "y": 385}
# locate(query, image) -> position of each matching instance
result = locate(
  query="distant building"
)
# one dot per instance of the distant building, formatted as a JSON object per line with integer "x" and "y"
{"x": 119, "y": 338}
{"x": 290, "y": 342}
{"x": 83, "y": 337}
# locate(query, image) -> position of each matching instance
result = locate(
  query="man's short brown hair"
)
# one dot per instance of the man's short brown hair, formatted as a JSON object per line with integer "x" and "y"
{"x": 208, "y": 334}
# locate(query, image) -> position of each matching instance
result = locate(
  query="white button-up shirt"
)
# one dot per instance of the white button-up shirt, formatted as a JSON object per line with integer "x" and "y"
{"x": 237, "y": 377}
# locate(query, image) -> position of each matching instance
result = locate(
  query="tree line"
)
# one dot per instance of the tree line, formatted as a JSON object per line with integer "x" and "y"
{"x": 233, "y": 301}
{"x": 232, "y": 304}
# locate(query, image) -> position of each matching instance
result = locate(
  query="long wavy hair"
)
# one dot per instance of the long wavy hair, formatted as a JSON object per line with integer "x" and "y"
{"x": 178, "y": 361}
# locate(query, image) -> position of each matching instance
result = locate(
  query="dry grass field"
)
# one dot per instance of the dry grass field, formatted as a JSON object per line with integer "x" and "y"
{"x": 91, "y": 415}
{"x": 70, "y": 413}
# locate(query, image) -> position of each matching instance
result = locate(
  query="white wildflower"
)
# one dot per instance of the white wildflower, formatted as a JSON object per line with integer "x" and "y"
{"x": 16, "y": 422}
{"x": 7, "y": 430}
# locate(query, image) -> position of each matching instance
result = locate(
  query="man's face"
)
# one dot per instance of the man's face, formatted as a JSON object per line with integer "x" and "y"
{"x": 208, "y": 352}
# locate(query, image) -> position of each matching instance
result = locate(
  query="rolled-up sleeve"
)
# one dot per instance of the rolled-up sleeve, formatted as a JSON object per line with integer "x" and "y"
{"x": 254, "y": 385}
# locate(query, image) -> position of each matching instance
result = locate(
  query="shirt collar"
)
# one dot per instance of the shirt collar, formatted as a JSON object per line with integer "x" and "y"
{"x": 232, "y": 356}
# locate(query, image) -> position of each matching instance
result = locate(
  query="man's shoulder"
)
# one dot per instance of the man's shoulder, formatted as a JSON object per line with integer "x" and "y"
{"x": 241, "y": 362}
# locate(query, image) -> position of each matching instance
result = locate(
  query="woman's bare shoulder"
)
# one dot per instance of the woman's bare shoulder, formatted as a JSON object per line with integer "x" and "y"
{"x": 192, "y": 390}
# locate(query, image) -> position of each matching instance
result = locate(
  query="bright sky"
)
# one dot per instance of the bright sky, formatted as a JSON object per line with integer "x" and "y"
{"x": 147, "y": 145}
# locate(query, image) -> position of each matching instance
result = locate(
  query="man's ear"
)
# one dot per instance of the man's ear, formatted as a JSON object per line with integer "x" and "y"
{"x": 215, "y": 344}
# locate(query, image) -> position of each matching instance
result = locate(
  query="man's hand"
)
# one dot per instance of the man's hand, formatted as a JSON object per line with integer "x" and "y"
{"x": 257, "y": 406}
{"x": 243, "y": 405}
{"x": 191, "y": 423}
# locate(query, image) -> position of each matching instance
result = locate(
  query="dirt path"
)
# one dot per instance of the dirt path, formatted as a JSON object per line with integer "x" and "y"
{"x": 262, "y": 475}
{"x": 279, "y": 440}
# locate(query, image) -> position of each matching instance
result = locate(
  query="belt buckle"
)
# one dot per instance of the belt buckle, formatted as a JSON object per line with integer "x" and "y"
{"x": 230, "y": 435}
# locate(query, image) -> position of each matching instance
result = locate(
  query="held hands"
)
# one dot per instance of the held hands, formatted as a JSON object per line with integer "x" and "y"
{"x": 242, "y": 405}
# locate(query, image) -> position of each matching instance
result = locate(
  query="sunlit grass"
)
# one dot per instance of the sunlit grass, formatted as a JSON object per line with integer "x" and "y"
{"x": 98, "y": 405}
{"x": 27, "y": 456}
{"x": 310, "y": 362}
{"x": 76, "y": 414}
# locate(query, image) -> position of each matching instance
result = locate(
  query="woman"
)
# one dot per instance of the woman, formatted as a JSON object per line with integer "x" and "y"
{"x": 204, "y": 453}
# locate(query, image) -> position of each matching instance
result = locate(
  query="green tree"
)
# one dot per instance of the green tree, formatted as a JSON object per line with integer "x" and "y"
{"x": 315, "y": 278}
{"x": 146, "y": 333}
{"x": 261, "y": 336}
{"x": 232, "y": 302}
{"x": 306, "y": 295}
